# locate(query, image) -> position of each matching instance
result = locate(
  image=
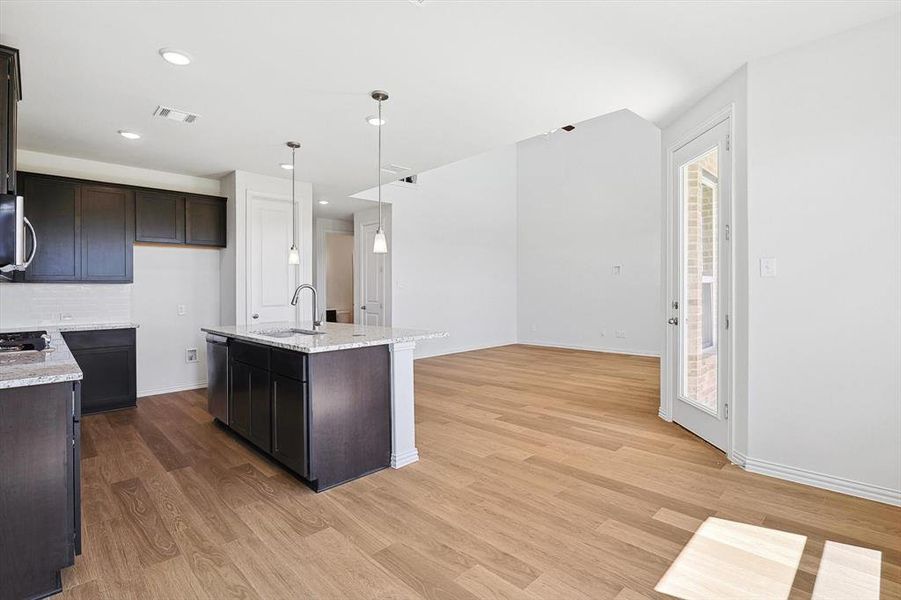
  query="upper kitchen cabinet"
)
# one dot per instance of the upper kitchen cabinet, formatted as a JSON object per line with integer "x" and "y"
{"x": 159, "y": 217}
{"x": 107, "y": 233}
{"x": 53, "y": 206}
{"x": 10, "y": 94}
{"x": 205, "y": 221}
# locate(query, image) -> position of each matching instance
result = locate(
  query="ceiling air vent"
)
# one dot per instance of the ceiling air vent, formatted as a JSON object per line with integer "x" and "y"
{"x": 174, "y": 114}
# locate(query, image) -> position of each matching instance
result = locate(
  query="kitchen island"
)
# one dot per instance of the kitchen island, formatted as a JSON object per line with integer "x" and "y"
{"x": 331, "y": 406}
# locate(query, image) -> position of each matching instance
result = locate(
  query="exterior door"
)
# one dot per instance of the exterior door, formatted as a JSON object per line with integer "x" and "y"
{"x": 372, "y": 278}
{"x": 271, "y": 279}
{"x": 701, "y": 268}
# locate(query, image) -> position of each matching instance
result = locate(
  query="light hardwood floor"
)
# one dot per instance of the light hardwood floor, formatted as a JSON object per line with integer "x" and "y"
{"x": 544, "y": 473}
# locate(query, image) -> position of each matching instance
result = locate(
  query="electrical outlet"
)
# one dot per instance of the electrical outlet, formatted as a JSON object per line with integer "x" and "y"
{"x": 191, "y": 355}
{"x": 617, "y": 270}
{"x": 768, "y": 267}
{"x": 603, "y": 332}
{"x": 620, "y": 333}
{"x": 181, "y": 309}
{"x": 65, "y": 316}
{"x": 534, "y": 327}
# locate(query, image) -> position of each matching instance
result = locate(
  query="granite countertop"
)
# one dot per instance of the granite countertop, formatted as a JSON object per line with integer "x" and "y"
{"x": 65, "y": 327}
{"x": 54, "y": 365}
{"x": 337, "y": 336}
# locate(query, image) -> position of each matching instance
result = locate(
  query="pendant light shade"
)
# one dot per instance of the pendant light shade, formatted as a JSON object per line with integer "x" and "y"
{"x": 380, "y": 243}
{"x": 293, "y": 253}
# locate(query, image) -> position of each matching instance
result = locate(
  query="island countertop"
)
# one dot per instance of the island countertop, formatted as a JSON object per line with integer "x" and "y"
{"x": 337, "y": 336}
{"x": 53, "y": 365}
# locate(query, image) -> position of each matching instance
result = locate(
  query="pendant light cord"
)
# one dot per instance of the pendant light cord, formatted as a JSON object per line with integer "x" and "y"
{"x": 293, "y": 224}
{"x": 379, "y": 171}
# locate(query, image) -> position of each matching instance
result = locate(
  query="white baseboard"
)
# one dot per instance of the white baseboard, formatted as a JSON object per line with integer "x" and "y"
{"x": 739, "y": 458}
{"x": 826, "y": 482}
{"x": 591, "y": 349}
{"x": 402, "y": 460}
{"x": 664, "y": 415}
{"x": 180, "y": 387}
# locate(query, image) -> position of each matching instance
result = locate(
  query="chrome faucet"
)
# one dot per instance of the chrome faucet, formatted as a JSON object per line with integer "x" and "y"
{"x": 307, "y": 286}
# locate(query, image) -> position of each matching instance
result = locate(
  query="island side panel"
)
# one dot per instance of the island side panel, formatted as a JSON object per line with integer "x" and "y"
{"x": 403, "y": 433}
{"x": 350, "y": 414}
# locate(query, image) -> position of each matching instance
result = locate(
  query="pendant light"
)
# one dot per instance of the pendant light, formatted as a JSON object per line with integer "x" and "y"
{"x": 380, "y": 243}
{"x": 293, "y": 254}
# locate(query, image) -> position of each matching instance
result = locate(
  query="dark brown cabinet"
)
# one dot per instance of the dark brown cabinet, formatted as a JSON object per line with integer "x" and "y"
{"x": 205, "y": 221}
{"x": 40, "y": 508}
{"x": 159, "y": 217}
{"x": 250, "y": 411}
{"x": 86, "y": 230}
{"x": 107, "y": 359}
{"x": 289, "y": 423}
{"x": 10, "y": 94}
{"x": 107, "y": 233}
{"x": 54, "y": 209}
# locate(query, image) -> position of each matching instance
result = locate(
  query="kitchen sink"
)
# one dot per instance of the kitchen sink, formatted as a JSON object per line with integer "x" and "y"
{"x": 287, "y": 332}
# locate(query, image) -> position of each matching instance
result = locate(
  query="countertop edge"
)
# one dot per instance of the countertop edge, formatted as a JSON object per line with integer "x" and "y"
{"x": 276, "y": 343}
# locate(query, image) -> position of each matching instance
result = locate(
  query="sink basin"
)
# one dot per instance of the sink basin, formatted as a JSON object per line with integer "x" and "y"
{"x": 287, "y": 332}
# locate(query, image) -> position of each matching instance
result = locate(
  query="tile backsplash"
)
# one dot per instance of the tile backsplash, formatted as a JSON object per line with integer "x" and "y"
{"x": 23, "y": 304}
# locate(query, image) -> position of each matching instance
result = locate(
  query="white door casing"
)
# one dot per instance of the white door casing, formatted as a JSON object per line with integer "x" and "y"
{"x": 271, "y": 279}
{"x": 372, "y": 279}
{"x": 710, "y": 422}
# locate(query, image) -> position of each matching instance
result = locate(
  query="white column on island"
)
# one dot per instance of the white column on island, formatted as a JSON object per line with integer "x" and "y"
{"x": 403, "y": 426}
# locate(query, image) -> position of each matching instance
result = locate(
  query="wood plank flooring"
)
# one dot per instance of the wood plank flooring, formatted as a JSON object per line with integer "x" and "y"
{"x": 544, "y": 473}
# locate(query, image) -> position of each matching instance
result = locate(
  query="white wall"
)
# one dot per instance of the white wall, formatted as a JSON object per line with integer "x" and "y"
{"x": 589, "y": 200}
{"x": 453, "y": 252}
{"x": 233, "y": 264}
{"x": 164, "y": 277}
{"x": 825, "y": 201}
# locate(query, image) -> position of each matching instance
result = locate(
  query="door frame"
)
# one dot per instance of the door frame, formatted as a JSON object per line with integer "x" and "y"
{"x": 668, "y": 358}
{"x": 370, "y": 217}
{"x": 325, "y": 226}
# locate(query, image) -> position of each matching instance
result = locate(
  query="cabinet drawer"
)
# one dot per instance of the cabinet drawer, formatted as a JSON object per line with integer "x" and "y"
{"x": 290, "y": 364}
{"x": 106, "y": 338}
{"x": 251, "y": 354}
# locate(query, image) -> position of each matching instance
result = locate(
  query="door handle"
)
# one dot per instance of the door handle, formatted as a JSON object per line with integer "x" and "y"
{"x": 255, "y": 315}
{"x": 673, "y": 320}
{"x": 363, "y": 307}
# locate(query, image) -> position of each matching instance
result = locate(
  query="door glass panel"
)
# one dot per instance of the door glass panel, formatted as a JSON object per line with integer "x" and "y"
{"x": 699, "y": 275}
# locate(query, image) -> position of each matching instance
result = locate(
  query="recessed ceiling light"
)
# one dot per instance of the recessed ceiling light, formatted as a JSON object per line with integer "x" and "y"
{"x": 323, "y": 202}
{"x": 175, "y": 57}
{"x": 129, "y": 135}
{"x": 287, "y": 166}
{"x": 374, "y": 120}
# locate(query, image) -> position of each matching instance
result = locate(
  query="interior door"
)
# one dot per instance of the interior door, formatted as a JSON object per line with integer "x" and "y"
{"x": 699, "y": 310}
{"x": 372, "y": 278}
{"x": 271, "y": 279}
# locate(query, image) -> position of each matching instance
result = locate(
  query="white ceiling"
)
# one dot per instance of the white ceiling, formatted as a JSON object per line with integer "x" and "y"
{"x": 463, "y": 77}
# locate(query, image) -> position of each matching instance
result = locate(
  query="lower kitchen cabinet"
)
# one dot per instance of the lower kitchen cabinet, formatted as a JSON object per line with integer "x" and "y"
{"x": 40, "y": 488}
{"x": 107, "y": 360}
{"x": 250, "y": 410}
{"x": 289, "y": 423}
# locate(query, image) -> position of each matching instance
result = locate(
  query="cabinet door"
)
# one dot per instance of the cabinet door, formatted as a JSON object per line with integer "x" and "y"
{"x": 53, "y": 206}
{"x": 205, "y": 221}
{"x": 250, "y": 414}
{"x": 107, "y": 233}
{"x": 289, "y": 423}
{"x": 159, "y": 217}
{"x": 109, "y": 378}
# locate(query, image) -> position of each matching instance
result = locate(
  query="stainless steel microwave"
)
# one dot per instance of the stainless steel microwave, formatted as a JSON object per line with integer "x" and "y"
{"x": 12, "y": 234}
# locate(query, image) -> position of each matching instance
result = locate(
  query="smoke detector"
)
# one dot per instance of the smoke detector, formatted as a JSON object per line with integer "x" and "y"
{"x": 174, "y": 114}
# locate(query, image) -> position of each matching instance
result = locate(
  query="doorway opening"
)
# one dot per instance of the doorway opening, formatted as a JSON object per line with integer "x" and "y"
{"x": 339, "y": 275}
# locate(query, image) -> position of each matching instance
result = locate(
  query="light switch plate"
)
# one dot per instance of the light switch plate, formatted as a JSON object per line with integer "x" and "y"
{"x": 182, "y": 310}
{"x": 767, "y": 267}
